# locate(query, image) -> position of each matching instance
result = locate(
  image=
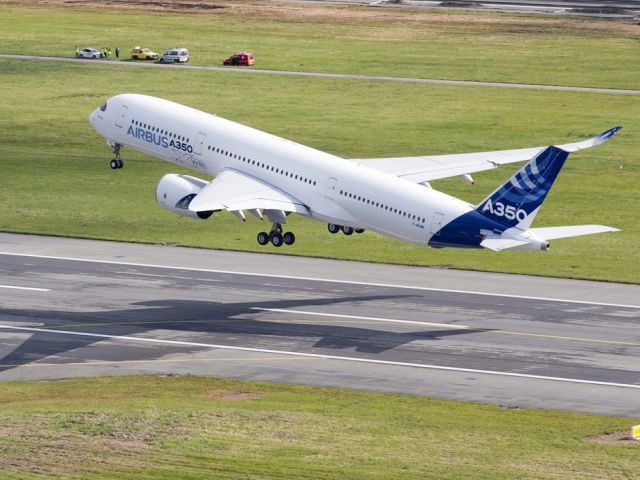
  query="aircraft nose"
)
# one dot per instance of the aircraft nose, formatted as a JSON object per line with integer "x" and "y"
{"x": 92, "y": 118}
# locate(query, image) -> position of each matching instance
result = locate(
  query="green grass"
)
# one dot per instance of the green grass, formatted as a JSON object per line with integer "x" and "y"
{"x": 191, "y": 428}
{"x": 449, "y": 45}
{"x": 56, "y": 178}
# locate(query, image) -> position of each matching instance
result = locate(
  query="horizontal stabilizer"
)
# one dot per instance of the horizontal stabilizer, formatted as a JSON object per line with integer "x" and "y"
{"x": 550, "y": 233}
{"x": 497, "y": 244}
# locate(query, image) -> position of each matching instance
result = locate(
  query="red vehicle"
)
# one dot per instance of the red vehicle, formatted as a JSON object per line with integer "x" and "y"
{"x": 242, "y": 58}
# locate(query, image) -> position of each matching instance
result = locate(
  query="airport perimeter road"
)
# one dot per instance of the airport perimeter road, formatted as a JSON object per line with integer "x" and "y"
{"x": 73, "y": 307}
{"x": 595, "y": 8}
{"x": 377, "y": 78}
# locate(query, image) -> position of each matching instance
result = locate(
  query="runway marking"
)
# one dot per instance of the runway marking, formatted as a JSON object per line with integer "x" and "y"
{"x": 358, "y": 317}
{"x": 446, "y": 325}
{"x": 326, "y": 280}
{"x": 33, "y": 289}
{"x": 320, "y": 356}
{"x": 561, "y": 337}
{"x": 460, "y": 327}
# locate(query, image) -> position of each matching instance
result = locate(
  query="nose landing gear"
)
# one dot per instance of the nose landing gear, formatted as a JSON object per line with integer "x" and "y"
{"x": 116, "y": 162}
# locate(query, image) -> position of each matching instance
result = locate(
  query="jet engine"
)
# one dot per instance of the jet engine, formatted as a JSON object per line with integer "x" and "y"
{"x": 175, "y": 192}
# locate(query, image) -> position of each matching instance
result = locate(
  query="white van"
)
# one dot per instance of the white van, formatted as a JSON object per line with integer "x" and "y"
{"x": 175, "y": 55}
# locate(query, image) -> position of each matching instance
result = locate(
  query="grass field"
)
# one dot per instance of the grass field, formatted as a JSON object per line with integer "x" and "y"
{"x": 56, "y": 178}
{"x": 192, "y": 428}
{"x": 415, "y": 43}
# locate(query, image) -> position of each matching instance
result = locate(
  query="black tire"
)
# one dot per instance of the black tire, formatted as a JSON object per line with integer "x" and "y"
{"x": 359, "y": 230}
{"x": 333, "y": 228}
{"x": 277, "y": 240}
{"x": 94, "y": 57}
{"x": 114, "y": 164}
{"x": 289, "y": 238}
{"x": 263, "y": 238}
{"x": 120, "y": 163}
{"x": 347, "y": 230}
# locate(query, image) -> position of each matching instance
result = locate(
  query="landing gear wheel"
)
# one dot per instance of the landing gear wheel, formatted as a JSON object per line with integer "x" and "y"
{"x": 333, "y": 228}
{"x": 359, "y": 230}
{"x": 276, "y": 239}
{"x": 347, "y": 230}
{"x": 115, "y": 164}
{"x": 289, "y": 238}
{"x": 263, "y": 238}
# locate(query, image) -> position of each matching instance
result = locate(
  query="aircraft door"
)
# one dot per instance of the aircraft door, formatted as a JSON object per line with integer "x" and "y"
{"x": 436, "y": 222}
{"x": 121, "y": 114}
{"x": 197, "y": 147}
{"x": 331, "y": 188}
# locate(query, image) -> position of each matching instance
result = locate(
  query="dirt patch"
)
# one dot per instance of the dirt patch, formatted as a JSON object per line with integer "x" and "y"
{"x": 615, "y": 438}
{"x": 150, "y": 5}
{"x": 233, "y": 394}
{"x": 73, "y": 444}
{"x": 65, "y": 453}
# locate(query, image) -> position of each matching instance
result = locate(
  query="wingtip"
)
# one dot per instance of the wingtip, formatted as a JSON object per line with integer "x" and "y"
{"x": 610, "y": 133}
{"x": 607, "y": 228}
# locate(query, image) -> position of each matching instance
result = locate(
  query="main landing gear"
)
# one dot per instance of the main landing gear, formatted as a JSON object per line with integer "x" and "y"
{"x": 116, "y": 162}
{"x": 276, "y": 237}
{"x": 333, "y": 228}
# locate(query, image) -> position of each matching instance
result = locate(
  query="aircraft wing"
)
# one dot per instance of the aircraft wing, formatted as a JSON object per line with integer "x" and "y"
{"x": 232, "y": 191}
{"x": 434, "y": 167}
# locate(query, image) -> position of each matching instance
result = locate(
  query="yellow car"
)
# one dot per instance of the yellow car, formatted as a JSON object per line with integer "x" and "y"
{"x": 140, "y": 53}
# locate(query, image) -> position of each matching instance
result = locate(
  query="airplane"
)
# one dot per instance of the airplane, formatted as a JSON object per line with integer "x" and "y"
{"x": 269, "y": 176}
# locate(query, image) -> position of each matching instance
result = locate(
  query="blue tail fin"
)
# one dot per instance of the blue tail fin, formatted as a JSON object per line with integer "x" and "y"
{"x": 516, "y": 202}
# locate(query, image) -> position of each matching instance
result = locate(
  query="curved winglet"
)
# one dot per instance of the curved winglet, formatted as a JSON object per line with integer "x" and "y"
{"x": 592, "y": 142}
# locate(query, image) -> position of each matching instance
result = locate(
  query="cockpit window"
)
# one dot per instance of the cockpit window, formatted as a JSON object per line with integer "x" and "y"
{"x": 103, "y": 107}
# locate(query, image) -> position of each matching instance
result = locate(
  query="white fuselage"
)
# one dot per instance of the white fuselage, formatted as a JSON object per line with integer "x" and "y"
{"x": 333, "y": 189}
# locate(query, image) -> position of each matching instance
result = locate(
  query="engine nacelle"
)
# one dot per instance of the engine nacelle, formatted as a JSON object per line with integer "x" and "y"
{"x": 175, "y": 192}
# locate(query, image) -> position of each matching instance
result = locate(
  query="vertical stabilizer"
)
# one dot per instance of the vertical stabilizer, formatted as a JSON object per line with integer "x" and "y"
{"x": 517, "y": 201}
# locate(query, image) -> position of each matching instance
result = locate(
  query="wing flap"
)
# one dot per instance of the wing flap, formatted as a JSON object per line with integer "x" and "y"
{"x": 232, "y": 191}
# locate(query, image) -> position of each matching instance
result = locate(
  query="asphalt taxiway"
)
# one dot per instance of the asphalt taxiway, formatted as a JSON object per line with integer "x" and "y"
{"x": 72, "y": 307}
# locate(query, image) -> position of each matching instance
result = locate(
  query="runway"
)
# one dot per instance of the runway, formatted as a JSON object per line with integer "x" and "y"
{"x": 72, "y": 307}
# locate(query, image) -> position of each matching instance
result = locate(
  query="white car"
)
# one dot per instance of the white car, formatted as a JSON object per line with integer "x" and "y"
{"x": 175, "y": 55}
{"x": 90, "y": 53}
